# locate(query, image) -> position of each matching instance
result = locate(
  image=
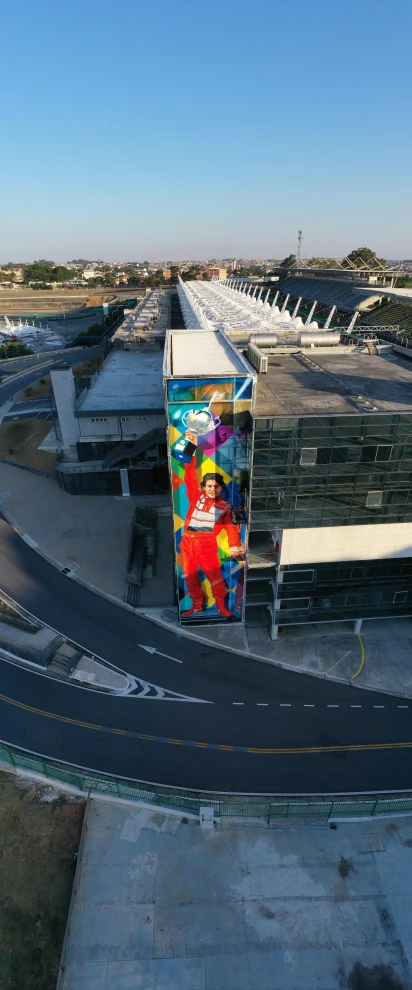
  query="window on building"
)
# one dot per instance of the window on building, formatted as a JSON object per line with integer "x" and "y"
{"x": 400, "y": 597}
{"x": 308, "y": 456}
{"x": 380, "y": 453}
{"x": 294, "y": 604}
{"x": 302, "y": 503}
{"x": 353, "y": 454}
{"x": 141, "y": 419}
{"x": 125, "y": 419}
{"x": 374, "y": 500}
{"x": 297, "y": 577}
{"x": 383, "y": 452}
{"x": 99, "y": 419}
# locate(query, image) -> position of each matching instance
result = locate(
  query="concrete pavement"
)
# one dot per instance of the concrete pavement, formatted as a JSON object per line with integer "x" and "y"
{"x": 90, "y": 535}
{"x": 164, "y": 905}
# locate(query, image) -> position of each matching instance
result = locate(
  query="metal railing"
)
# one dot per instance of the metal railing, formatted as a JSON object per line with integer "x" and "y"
{"x": 260, "y": 808}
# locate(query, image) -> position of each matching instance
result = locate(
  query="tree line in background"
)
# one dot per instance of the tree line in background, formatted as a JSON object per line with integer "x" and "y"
{"x": 44, "y": 274}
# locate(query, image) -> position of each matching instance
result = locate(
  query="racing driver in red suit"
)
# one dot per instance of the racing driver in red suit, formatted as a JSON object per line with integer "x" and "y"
{"x": 207, "y": 516}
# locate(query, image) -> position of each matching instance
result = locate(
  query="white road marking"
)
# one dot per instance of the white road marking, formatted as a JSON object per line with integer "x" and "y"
{"x": 262, "y": 704}
{"x": 238, "y": 702}
{"x": 402, "y": 706}
{"x": 356, "y": 706}
{"x": 152, "y": 649}
{"x": 332, "y": 706}
{"x": 308, "y": 706}
{"x": 285, "y": 706}
{"x": 379, "y": 706}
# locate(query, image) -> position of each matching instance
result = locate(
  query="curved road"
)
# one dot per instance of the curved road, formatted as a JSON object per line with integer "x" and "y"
{"x": 27, "y": 376}
{"x": 251, "y": 705}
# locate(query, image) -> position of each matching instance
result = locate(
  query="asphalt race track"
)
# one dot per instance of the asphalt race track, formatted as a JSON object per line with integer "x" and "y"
{"x": 260, "y": 729}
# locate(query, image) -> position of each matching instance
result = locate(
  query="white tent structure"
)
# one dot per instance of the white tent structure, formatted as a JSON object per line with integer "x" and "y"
{"x": 230, "y": 307}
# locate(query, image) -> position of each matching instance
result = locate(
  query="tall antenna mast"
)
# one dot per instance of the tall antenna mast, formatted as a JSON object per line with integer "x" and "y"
{"x": 300, "y": 232}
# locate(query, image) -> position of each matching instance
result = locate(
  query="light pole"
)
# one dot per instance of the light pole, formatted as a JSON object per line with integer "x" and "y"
{"x": 65, "y": 322}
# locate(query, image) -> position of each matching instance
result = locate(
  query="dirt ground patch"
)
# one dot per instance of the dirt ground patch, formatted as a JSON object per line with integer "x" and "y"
{"x": 39, "y": 838}
{"x": 37, "y": 390}
{"x": 19, "y": 441}
{"x": 88, "y": 367}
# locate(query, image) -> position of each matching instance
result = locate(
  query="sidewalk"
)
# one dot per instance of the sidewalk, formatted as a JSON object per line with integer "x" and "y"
{"x": 330, "y": 650}
{"x": 162, "y": 905}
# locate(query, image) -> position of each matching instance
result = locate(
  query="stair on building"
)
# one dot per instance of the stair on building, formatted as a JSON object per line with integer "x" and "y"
{"x": 124, "y": 451}
{"x": 64, "y": 660}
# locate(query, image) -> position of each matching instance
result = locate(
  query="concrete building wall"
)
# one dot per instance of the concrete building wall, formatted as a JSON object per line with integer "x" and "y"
{"x": 65, "y": 397}
{"x": 126, "y": 427}
{"x": 335, "y": 543}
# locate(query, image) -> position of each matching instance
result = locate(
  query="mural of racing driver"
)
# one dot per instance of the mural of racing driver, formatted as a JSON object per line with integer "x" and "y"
{"x": 208, "y": 515}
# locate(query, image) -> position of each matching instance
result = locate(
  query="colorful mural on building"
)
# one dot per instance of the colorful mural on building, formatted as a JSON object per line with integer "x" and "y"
{"x": 210, "y": 455}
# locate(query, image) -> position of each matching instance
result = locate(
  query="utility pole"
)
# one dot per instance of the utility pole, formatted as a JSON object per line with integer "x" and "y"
{"x": 300, "y": 233}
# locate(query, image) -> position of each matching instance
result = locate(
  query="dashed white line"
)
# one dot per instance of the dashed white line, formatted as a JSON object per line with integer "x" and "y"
{"x": 402, "y": 706}
{"x": 285, "y": 706}
{"x": 332, "y": 706}
{"x": 379, "y": 706}
{"x": 262, "y": 704}
{"x": 308, "y": 706}
{"x": 238, "y": 702}
{"x": 356, "y": 706}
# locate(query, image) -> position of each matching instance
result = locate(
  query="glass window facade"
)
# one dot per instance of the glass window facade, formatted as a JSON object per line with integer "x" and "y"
{"x": 355, "y": 455}
{"x": 345, "y": 590}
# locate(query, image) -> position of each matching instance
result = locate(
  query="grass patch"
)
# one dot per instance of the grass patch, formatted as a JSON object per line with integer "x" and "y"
{"x": 38, "y": 842}
{"x": 23, "y": 437}
{"x": 36, "y": 390}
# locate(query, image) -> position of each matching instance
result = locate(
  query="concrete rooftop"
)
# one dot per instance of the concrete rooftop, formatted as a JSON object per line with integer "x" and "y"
{"x": 304, "y": 384}
{"x": 128, "y": 380}
{"x": 204, "y": 353}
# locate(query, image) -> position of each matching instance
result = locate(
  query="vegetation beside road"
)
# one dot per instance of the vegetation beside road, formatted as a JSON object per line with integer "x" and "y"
{"x": 39, "y": 838}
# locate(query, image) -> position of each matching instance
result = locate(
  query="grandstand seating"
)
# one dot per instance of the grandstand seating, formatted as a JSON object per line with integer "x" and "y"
{"x": 327, "y": 291}
{"x": 390, "y": 314}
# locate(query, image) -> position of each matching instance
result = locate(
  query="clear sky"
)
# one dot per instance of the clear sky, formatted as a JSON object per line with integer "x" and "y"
{"x": 178, "y": 128}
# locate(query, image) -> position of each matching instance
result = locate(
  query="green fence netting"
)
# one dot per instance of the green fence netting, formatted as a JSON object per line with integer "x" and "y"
{"x": 248, "y": 808}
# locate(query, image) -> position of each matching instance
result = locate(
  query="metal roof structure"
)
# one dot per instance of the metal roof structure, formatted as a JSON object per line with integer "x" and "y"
{"x": 345, "y": 266}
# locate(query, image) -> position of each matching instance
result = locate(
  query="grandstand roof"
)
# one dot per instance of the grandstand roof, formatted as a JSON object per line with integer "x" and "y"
{"x": 398, "y": 295}
{"x": 329, "y": 292}
{"x": 345, "y": 265}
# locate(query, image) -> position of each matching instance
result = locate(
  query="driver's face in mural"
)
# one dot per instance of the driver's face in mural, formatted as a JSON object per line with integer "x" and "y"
{"x": 212, "y": 488}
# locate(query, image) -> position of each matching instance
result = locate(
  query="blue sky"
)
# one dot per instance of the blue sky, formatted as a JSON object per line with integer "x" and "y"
{"x": 186, "y": 129}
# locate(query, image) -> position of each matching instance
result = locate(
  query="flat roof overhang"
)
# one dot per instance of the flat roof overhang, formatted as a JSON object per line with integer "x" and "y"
{"x": 125, "y": 411}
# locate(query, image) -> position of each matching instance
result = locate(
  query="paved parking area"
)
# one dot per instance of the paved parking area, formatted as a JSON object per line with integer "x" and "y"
{"x": 87, "y": 533}
{"x": 163, "y": 905}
